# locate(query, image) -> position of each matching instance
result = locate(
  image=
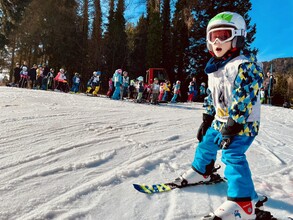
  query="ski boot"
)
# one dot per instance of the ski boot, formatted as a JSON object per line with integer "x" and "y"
{"x": 192, "y": 177}
{"x": 259, "y": 213}
{"x": 231, "y": 210}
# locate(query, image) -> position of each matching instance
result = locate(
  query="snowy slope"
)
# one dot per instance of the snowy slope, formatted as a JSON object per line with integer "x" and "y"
{"x": 66, "y": 156}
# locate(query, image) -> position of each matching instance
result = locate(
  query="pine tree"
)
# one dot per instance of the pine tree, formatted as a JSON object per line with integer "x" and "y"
{"x": 154, "y": 40}
{"x": 85, "y": 40}
{"x": 137, "y": 56}
{"x": 120, "y": 37}
{"x": 97, "y": 58}
{"x": 166, "y": 39}
{"x": 108, "y": 39}
{"x": 180, "y": 40}
{"x": 11, "y": 13}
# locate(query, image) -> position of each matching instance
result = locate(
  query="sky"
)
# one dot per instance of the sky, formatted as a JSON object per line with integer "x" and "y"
{"x": 273, "y": 19}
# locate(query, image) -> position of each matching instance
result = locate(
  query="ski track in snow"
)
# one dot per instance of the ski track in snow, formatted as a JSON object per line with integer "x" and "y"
{"x": 67, "y": 156}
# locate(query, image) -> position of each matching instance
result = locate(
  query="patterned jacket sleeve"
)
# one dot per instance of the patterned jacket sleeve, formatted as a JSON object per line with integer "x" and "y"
{"x": 245, "y": 93}
{"x": 208, "y": 104}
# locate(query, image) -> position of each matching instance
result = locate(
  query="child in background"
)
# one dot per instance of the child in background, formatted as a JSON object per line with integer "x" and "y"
{"x": 23, "y": 77}
{"x": 162, "y": 90}
{"x": 117, "y": 80}
{"x": 202, "y": 91}
{"x": 50, "y": 79}
{"x": 93, "y": 84}
{"x": 176, "y": 91}
{"x": 76, "y": 83}
{"x": 167, "y": 86}
{"x": 140, "y": 89}
{"x": 190, "y": 91}
{"x": 60, "y": 81}
{"x": 125, "y": 85}
{"x": 111, "y": 88}
{"x": 155, "y": 91}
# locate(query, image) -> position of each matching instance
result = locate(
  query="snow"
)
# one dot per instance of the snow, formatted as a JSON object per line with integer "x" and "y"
{"x": 68, "y": 156}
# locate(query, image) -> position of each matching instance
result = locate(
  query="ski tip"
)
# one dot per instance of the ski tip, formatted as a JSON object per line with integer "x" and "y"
{"x": 139, "y": 188}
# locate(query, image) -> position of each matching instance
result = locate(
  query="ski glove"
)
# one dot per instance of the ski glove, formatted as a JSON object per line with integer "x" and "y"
{"x": 224, "y": 138}
{"x": 207, "y": 121}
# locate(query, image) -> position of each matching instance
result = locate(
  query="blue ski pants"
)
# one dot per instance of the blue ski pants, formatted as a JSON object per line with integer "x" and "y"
{"x": 116, "y": 94}
{"x": 237, "y": 171}
{"x": 173, "y": 100}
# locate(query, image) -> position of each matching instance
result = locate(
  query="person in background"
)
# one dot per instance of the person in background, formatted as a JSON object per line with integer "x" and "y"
{"x": 195, "y": 90}
{"x": 23, "y": 77}
{"x": 33, "y": 76}
{"x": 268, "y": 85}
{"x": 117, "y": 80}
{"x": 40, "y": 76}
{"x": 93, "y": 84}
{"x": 155, "y": 89}
{"x": 16, "y": 73}
{"x": 61, "y": 82}
{"x": 140, "y": 89}
{"x": 125, "y": 85}
{"x": 75, "y": 83}
{"x": 51, "y": 76}
{"x": 176, "y": 91}
{"x": 167, "y": 86}
{"x": 132, "y": 89}
{"x": 162, "y": 91}
{"x": 202, "y": 92}
{"x": 111, "y": 88}
{"x": 190, "y": 91}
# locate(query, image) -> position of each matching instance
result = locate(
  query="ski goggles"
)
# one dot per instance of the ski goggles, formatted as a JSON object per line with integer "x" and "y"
{"x": 223, "y": 34}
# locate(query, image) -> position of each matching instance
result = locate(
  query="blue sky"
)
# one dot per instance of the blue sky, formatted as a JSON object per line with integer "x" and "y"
{"x": 273, "y": 19}
{"x": 274, "y": 23}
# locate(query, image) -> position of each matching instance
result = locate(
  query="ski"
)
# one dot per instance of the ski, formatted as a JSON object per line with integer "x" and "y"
{"x": 166, "y": 187}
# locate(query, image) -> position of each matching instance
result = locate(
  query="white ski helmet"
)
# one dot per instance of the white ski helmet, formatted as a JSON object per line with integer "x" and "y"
{"x": 229, "y": 19}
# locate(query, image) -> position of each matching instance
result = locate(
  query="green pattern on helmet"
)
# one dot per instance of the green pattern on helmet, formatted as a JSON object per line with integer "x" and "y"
{"x": 222, "y": 16}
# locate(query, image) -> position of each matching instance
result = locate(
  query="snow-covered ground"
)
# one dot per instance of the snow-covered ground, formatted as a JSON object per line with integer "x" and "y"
{"x": 67, "y": 156}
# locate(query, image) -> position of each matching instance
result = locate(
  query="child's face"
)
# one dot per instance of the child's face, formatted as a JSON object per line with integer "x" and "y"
{"x": 221, "y": 49}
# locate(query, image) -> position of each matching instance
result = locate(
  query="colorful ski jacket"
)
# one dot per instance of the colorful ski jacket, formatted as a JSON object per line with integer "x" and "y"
{"x": 117, "y": 79}
{"x": 234, "y": 92}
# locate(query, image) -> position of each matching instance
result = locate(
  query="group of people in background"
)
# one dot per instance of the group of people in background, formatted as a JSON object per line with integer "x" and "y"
{"x": 119, "y": 86}
{"x": 43, "y": 77}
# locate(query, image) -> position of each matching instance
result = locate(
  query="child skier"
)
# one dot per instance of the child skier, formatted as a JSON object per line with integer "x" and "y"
{"x": 23, "y": 77}
{"x": 125, "y": 85}
{"x": 155, "y": 88}
{"x": 202, "y": 92}
{"x": 111, "y": 88}
{"x": 50, "y": 79}
{"x": 232, "y": 119}
{"x": 190, "y": 91}
{"x": 176, "y": 92}
{"x": 140, "y": 89}
{"x": 76, "y": 83}
{"x": 93, "y": 85}
{"x": 162, "y": 91}
{"x": 60, "y": 81}
{"x": 117, "y": 80}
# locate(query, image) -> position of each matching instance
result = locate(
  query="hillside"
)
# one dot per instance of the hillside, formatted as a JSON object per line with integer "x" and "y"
{"x": 66, "y": 156}
{"x": 280, "y": 65}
